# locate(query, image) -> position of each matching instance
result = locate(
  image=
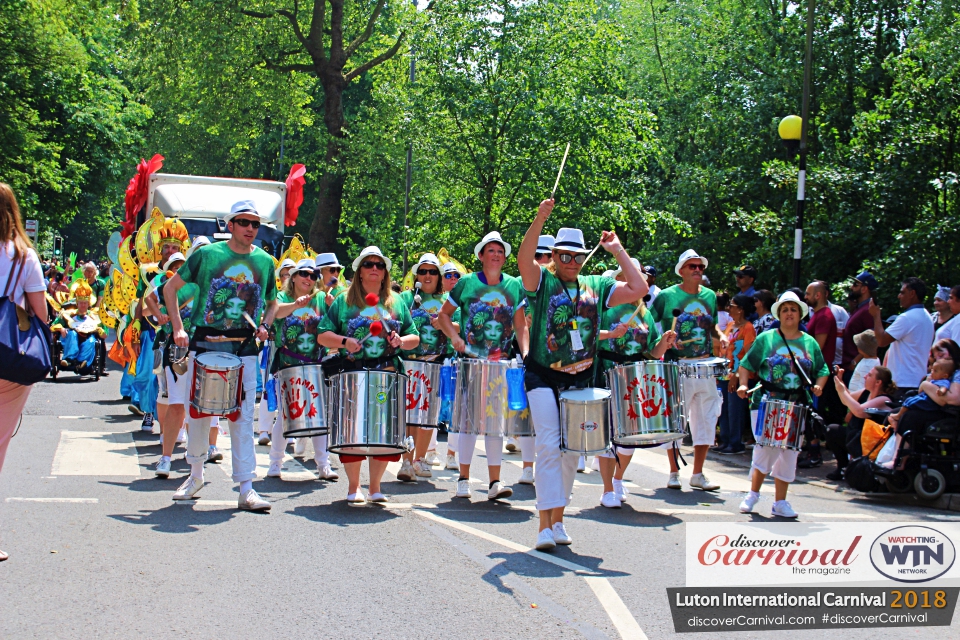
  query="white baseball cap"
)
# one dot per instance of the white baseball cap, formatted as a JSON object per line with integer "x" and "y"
{"x": 493, "y": 236}
{"x": 686, "y": 257}
{"x": 371, "y": 251}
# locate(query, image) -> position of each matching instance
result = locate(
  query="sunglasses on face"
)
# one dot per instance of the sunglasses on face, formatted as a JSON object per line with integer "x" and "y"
{"x": 313, "y": 275}
{"x": 428, "y": 272}
{"x": 244, "y": 222}
{"x": 452, "y": 275}
{"x": 565, "y": 258}
{"x": 541, "y": 256}
{"x": 696, "y": 267}
{"x": 333, "y": 269}
{"x": 370, "y": 264}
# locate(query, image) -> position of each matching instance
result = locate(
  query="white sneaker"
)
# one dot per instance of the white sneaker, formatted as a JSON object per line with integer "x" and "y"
{"x": 782, "y": 509}
{"x": 463, "y": 489}
{"x": 749, "y": 502}
{"x": 581, "y": 465}
{"x": 674, "y": 481}
{"x": 526, "y": 476}
{"x": 163, "y": 468}
{"x": 700, "y": 481}
{"x": 422, "y": 469}
{"x": 356, "y": 498}
{"x": 560, "y": 535}
{"x": 610, "y": 500}
{"x": 274, "y": 470}
{"x": 512, "y": 445}
{"x": 545, "y": 540}
{"x": 182, "y": 436}
{"x": 621, "y": 491}
{"x": 264, "y": 439}
{"x": 432, "y": 458}
{"x": 188, "y": 489}
{"x": 214, "y": 454}
{"x": 406, "y": 473}
{"x": 497, "y": 491}
{"x": 251, "y": 501}
{"x": 301, "y": 447}
{"x": 595, "y": 463}
{"x": 327, "y": 473}
{"x": 451, "y": 462}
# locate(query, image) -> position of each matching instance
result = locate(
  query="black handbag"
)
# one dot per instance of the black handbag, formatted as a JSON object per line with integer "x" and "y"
{"x": 860, "y": 473}
{"x": 24, "y": 338}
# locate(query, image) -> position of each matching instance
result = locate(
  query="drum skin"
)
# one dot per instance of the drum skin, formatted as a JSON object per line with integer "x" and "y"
{"x": 646, "y": 403}
{"x": 480, "y": 406}
{"x": 367, "y": 414}
{"x": 422, "y": 398}
{"x": 303, "y": 401}
{"x": 585, "y": 420}
{"x": 703, "y": 368}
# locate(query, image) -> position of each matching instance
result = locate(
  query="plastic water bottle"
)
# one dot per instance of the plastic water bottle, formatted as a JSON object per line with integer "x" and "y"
{"x": 516, "y": 394}
{"x": 761, "y": 415}
{"x": 448, "y": 380}
{"x": 271, "y": 394}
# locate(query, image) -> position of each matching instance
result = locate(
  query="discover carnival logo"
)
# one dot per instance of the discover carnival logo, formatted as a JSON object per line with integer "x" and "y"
{"x": 912, "y": 554}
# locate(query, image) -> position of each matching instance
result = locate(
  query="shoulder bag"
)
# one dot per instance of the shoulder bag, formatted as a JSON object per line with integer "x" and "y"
{"x": 24, "y": 338}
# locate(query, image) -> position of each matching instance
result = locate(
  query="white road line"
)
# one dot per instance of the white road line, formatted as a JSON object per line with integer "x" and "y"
{"x": 618, "y": 612}
{"x": 59, "y": 500}
{"x": 209, "y": 503}
{"x": 95, "y": 453}
{"x": 695, "y": 512}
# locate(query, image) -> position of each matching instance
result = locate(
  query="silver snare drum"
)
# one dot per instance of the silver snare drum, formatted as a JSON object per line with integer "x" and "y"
{"x": 585, "y": 420}
{"x": 646, "y": 403}
{"x": 703, "y": 368}
{"x": 480, "y": 405}
{"x": 780, "y": 424}
{"x": 423, "y": 393}
{"x": 216, "y": 384}
{"x": 302, "y": 401}
{"x": 367, "y": 414}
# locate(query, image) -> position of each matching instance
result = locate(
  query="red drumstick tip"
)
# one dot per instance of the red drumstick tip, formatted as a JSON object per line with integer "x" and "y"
{"x": 371, "y": 299}
{"x": 376, "y": 328}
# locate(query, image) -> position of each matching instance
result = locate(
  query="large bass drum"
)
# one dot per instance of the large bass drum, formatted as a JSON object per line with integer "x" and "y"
{"x": 302, "y": 401}
{"x": 480, "y": 406}
{"x": 422, "y": 398}
{"x": 646, "y": 403}
{"x": 367, "y": 414}
{"x": 585, "y": 421}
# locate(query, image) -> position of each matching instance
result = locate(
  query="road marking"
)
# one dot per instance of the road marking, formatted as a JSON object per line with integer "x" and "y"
{"x": 209, "y": 503}
{"x": 851, "y": 516}
{"x": 66, "y": 500}
{"x": 429, "y": 505}
{"x": 695, "y": 512}
{"x": 71, "y": 417}
{"x": 621, "y": 617}
{"x": 96, "y": 453}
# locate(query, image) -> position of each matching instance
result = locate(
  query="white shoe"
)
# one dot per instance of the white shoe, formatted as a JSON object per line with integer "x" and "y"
{"x": 356, "y": 498}
{"x": 463, "y": 489}
{"x": 749, "y": 502}
{"x": 264, "y": 439}
{"x": 560, "y": 535}
{"x": 451, "y": 462}
{"x": 274, "y": 470}
{"x": 378, "y": 497}
{"x": 214, "y": 454}
{"x": 188, "y": 489}
{"x": 782, "y": 509}
{"x": 512, "y": 445}
{"x": 182, "y": 436}
{"x": 422, "y": 469}
{"x": 497, "y": 491}
{"x": 327, "y": 473}
{"x": 621, "y": 491}
{"x": 406, "y": 473}
{"x": 251, "y": 501}
{"x": 432, "y": 458}
{"x": 163, "y": 468}
{"x": 581, "y": 465}
{"x": 610, "y": 500}
{"x": 301, "y": 447}
{"x": 595, "y": 463}
{"x": 545, "y": 540}
{"x": 700, "y": 481}
{"x": 674, "y": 481}
{"x": 526, "y": 476}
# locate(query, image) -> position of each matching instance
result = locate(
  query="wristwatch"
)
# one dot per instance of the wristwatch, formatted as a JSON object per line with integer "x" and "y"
{"x": 343, "y": 342}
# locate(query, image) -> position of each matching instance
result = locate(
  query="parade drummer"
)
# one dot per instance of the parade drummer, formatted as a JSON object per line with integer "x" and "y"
{"x": 300, "y": 308}
{"x": 692, "y": 309}
{"x": 79, "y": 331}
{"x": 266, "y": 420}
{"x": 346, "y": 323}
{"x": 237, "y": 286}
{"x": 628, "y": 333}
{"x": 776, "y": 357}
{"x": 491, "y": 321}
{"x": 424, "y": 303}
{"x": 451, "y": 276}
{"x": 563, "y": 350}
{"x": 330, "y": 280}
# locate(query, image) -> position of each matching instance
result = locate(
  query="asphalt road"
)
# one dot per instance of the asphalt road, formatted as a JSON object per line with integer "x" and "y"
{"x": 98, "y": 549}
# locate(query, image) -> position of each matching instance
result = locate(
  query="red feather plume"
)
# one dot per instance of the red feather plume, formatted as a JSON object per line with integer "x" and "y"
{"x": 295, "y": 182}
{"x": 136, "y": 196}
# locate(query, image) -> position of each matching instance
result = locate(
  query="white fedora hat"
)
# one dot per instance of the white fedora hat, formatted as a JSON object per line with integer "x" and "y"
{"x": 570, "y": 240}
{"x": 287, "y": 263}
{"x": 493, "y": 236}
{"x": 328, "y": 260}
{"x": 636, "y": 263}
{"x": 687, "y": 256}
{"x": 789, "y": 296}
{"x": 304, "y": 265}
{"x": 545, "y": 244}
{"x": 199, "y": 241}
{"x": 240, "y": 208}
{"x": 371, "y": 251}
{"x": 427, "y": 258}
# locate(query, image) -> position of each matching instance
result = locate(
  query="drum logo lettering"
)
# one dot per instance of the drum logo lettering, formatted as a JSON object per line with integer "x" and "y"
{"x": 589, "y": 426}
{"x": 299, "y": 394}
{"x": 912, "y": 554}
{"x": 652, "y": 396}
{"x": 419, "y": 389}
{"x": 778, "y": 421}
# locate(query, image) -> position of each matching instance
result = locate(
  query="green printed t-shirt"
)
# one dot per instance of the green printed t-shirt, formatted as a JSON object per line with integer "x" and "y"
{"x": 554, "y": 315}
{"x": 298, "y": 332}
{"x": 186, "y": 298}
{"x": 769, "y": 358}
{"x": 354, "y": 322}
{"x": 486, "y": 314}
{"x": 433, "y": 343}
{"x": 641, "y": 336}
{"x": 230, "y": 284}
{"x": 695, "y": 323}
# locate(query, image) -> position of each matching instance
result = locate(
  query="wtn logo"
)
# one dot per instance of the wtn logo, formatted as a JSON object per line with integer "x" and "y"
{"x": 912, "y": 554}
{"x": 899, "y": 554}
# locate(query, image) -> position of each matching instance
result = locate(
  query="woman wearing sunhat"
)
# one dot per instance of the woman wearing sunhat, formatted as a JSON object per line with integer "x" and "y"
{"x": 346, "y": 323}
{"x": 791, "y": 367}
{"x": 563, "y": 350}
{"x": 451, "y": 276}
{"x": 330, "y": 281}
{"x": 491, "y": 321}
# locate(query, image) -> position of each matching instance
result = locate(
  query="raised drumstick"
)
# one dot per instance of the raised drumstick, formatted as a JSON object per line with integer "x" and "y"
{"x": 560, "y": 173}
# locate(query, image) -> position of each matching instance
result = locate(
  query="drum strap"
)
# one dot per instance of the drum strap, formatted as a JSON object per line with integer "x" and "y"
{"x": 797, "y": 368}
{"x": 296, "y": 356}
{"x": 241, "y": 336}
{"x": 619, "y": 358}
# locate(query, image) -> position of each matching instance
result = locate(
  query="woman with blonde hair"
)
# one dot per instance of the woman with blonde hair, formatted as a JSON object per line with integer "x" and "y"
{"x": 24, "y": 287}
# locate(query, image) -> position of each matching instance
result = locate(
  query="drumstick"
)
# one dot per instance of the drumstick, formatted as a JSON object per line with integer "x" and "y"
{"x": 634, "y": 314}
{"x": 676, "y": 314}
{"x": 253, "y": 324}
{"x": 590, "y": 255}
{"x": 376, "y": 328}
{"x": 560, "y": 173}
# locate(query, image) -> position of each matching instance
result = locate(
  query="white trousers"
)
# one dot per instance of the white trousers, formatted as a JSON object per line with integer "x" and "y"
{"x": 703, "y": 405}
{"x": 467, "y": 442}
{"x": 278, "y": 444}
{"x": 555, "y": 469}
{"x": 528, "y": 448}
{"x": 242, "y": 453}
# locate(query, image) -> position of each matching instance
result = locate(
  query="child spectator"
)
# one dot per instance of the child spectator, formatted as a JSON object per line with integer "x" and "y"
{"x": 867, "y": 348}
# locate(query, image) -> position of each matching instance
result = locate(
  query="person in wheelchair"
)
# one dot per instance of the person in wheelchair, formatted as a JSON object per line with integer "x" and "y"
{"x": 940, "y": 376}
{"x": 79, "y": 330}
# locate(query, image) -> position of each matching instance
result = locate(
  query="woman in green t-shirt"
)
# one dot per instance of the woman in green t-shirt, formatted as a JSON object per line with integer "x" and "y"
{"x": 772, "y": 358}
{"x": 346, "y": 323}
{"x": 301, "y": 307}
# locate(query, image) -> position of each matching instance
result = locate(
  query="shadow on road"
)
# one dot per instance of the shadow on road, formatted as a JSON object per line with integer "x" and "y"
{"x": 177, "y": 518}
{"x": 342, "y": 514}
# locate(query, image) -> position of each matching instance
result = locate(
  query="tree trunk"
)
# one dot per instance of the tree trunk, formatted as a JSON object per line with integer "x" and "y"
{"x": 325, "y": 228}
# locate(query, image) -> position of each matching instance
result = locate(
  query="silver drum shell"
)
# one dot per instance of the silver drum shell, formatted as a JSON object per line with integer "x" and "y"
{"x": 302, "y": 396}
{"x": 423, "y": 393}
{"x": 585, "y": 420}
{"x": 703, "y": 367}
{"x": 367, "y": 413}
{"x": 780, "y": 424}
{"x": 480, "y": 406}
{"x": 216, "y": 383}
{"x": 646, "y": 403}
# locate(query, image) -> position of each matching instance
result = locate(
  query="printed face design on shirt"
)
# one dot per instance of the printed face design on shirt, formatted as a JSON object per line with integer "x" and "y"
{"x": 432, "y": 341}
{"x": 634, "y": 340}
{"x": 781, "y": 367}
{"x": 299, "y": 331}
{"x": 490, "y": 327}
{"x": 694, "y": 324}
{"x": 231, "y": 294}
{"x": 359, "y": 328}
{"x": 561, "y": 318}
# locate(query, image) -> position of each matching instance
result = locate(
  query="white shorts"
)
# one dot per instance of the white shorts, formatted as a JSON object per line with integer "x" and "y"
{"x": 177, "y": 389}
{"x": 776, "y": 462}
{"x": 162, "y": 390}
{"x": 702, "y": 405}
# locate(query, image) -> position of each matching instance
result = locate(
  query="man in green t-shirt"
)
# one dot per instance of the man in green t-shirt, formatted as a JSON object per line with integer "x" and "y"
{"x": 690, "y": 309}
{"x": 238, "y": 288}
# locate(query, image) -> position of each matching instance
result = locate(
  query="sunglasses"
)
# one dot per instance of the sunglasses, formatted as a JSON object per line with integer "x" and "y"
{"x": 452, "y": 275}
{"x": 313, "y": 275}
{"x": 333, "y": 269}
{"x": 428, "y": 272}
{"x": 565, "y": 258}
{"x": 370, "y": 264}
{"x": 696, "y": 267}
{"x": 541, "y": 256}
{"x": 244, "y": 222}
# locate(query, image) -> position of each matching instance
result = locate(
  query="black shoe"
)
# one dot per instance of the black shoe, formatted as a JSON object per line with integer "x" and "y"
{"x": 836, "y": 476}
{"x": 809, "y": 462}
{"x": 730, "y": 451}
{"x": 717, "y": 449}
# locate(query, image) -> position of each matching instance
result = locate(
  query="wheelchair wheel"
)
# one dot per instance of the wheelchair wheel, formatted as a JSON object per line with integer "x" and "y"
{"x": 899, "y": 482}
{"x": 930, "y": 485}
